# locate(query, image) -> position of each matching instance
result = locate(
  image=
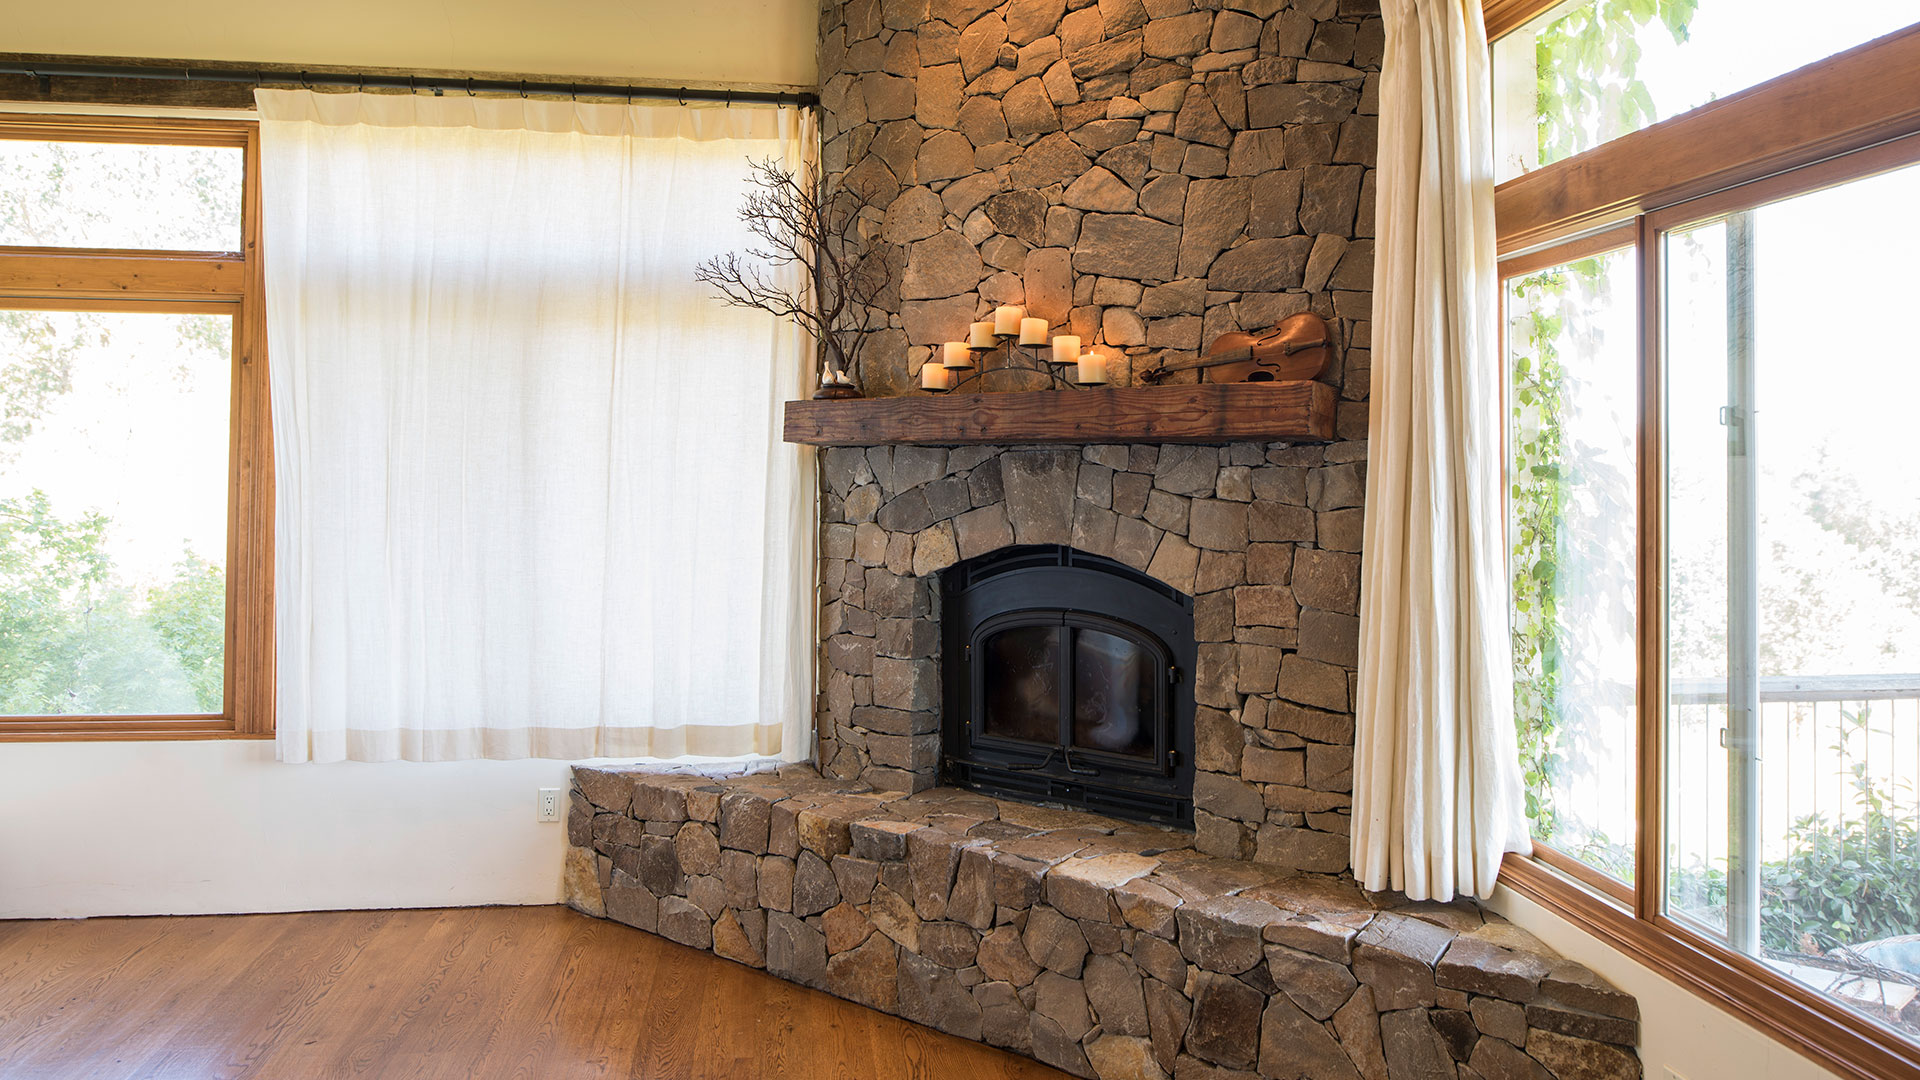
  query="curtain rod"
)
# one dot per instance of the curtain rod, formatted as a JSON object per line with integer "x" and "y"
{"x": 438, "y": 84}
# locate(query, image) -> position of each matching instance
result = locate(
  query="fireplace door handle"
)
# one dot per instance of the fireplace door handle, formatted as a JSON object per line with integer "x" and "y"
{"x": 1077, "y": 770}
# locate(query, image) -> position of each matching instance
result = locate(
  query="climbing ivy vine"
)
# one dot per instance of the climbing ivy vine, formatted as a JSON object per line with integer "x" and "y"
{"x": 1587, "y": 91}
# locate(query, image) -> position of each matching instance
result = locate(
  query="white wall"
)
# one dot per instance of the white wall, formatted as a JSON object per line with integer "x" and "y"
{"x": 159, "y": 827}
{"x": 143, "y": 828}
{"x": 738, "y": 41}
{"x": 1678, "y": 1029}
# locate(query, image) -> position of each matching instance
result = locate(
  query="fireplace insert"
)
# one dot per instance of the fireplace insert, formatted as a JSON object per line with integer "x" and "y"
{"x": 1068, "y": 679}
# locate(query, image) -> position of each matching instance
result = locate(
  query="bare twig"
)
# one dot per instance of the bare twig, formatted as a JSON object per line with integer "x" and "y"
{"x": 804, "y": 223}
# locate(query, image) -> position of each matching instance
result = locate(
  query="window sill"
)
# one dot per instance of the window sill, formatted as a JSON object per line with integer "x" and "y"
{"x": 121, "y": 729}
{"x": 1838, "y": 1039}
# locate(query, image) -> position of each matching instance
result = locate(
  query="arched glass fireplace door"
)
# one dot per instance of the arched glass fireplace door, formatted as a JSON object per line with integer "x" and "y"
{"x": 1069, "y": 680}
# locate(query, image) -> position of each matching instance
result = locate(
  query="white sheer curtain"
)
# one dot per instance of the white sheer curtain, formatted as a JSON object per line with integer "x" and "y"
{"x": 1436, "y": 783}
{"x": 532, "y": 498}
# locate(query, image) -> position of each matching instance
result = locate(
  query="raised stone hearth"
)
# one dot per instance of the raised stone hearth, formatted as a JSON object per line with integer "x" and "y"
{"x": 1103, "y": 948}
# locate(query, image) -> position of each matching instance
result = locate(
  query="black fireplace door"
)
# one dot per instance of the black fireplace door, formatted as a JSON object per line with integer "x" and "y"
{"x": 1069, "y": 680}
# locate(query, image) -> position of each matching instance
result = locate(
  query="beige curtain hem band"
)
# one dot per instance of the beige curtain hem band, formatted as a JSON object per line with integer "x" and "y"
{"x": 571, "y": 744}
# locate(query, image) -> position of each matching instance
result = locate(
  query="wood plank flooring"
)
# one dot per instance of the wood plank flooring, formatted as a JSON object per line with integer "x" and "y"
{"x": 533, "y": 993}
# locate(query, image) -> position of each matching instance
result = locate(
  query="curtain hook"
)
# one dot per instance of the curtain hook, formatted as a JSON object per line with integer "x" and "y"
{"x": 573, "y": 91}
{"x": 523, "y": 89}
{"x": 469, "y": 86}
{"x": 304, "y": 83}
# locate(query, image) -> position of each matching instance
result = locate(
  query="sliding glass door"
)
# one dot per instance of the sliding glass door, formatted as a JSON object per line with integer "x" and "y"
{"x": 1792, "y": 512}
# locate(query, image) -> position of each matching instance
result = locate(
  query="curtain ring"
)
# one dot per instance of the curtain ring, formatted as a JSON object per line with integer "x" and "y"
{"x": 573, "y": 91}
{"x": 304, "y": 82}
{"x": 523, "y": 89}
{"x": 683, "y": 95}
{"x": 469, "y": 86}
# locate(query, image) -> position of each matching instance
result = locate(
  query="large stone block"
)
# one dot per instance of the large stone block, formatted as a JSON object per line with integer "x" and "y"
{"x": 1039, "y": 487}
{"x": 1128, "y": 246}
{"x": 1225, "y": 1028}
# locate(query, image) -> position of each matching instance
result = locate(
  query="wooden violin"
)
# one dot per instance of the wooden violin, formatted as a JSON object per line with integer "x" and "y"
{"x": 1299, "y": 346}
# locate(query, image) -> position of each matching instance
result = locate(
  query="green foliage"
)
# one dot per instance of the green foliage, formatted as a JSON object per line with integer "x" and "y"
{"x": 1846, "y": 879}
{"x": 1537, "y": 501}
{"x": 73, "y": 641}
{"x": 1588, "y": 59}
{"x": 1586, "y": 91}
{"x": 189, "y": 614}
{"x": 1563, "y": 496}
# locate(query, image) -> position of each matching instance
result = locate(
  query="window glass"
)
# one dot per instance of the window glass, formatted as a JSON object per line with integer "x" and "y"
{"x": 113, "y": 512}
{"x": 1114, "y": 706}
{"x": 1573, "y": 367}
{"x": 1020, "y": 673}
{"x": 1589, "y": 71}
{"x": 1793, "y": 717}
{"x": 120, "y": 195}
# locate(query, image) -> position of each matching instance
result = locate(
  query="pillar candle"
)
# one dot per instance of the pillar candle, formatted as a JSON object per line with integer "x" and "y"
{"x": 981, "y": 336}
{"x": 1033, "y": 331}
{"x": 1093, "y": 368}
{"x": 1066, "y": 348}
{"x": 954, "y": 354}
{"x": 933, "y": 377}
{"x": 1006, "y": 319}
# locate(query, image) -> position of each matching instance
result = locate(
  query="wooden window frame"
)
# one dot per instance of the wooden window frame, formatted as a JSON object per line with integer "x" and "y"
{"x": 229, "y": 283}
{"x": 1848, "y": 117}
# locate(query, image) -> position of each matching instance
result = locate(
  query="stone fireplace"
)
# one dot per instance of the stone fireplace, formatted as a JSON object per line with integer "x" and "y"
{"x": 1260, "y": 536}
{"x": 1068, "y": 680}
{"x": 1148, "y": 175}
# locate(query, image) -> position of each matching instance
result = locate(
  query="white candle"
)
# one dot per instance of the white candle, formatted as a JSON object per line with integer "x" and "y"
{"x": 954, "y": 354}
{"x": 981, "y": 336}
{"x": 933, "y": 377}
{"x": 1093, "y": 368}
{"x": 1033, "y": 331}
{"x": 1066, "y": 348}
{"x": 1006, "y": 319}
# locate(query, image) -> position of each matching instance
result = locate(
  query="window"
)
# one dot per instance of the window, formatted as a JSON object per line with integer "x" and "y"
{"x": 1585, "y": 72}
{"x": 1793, "y": 620}
{"x": 1714, "y": 521}
{"x": 135, "y": 473}
{"x": 1573, "y": 397}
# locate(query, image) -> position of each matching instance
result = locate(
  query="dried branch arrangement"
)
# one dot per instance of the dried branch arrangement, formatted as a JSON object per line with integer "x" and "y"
{"x": 803, "y": 220}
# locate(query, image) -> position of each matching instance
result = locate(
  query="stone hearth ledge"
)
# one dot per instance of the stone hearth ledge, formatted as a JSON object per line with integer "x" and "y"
{"x": 1104, "y": 948}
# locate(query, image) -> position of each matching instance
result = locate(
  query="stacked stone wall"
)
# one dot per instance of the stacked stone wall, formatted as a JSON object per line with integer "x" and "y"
{"x": 1148, "y": 174}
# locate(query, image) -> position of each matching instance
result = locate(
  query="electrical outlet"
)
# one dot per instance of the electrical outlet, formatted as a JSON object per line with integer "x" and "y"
{"x": 549, "y": 805}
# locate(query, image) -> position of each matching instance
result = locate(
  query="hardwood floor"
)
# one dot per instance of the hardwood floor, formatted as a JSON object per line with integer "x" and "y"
{"x": 461, "y": 992}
